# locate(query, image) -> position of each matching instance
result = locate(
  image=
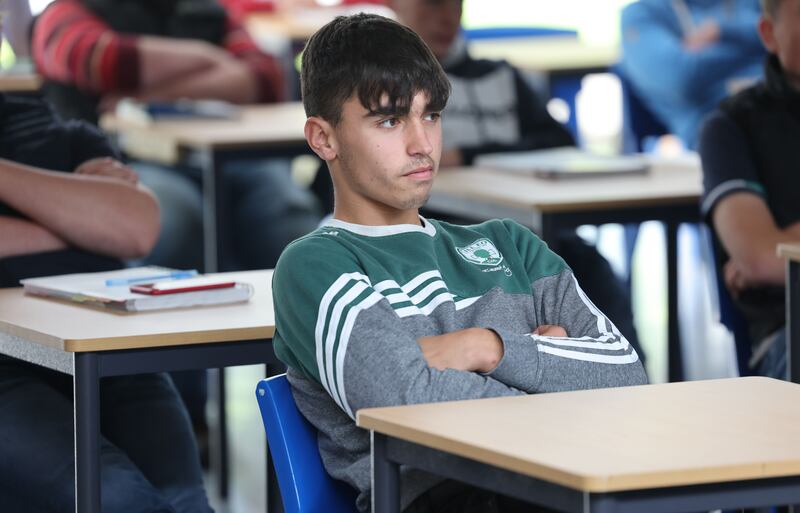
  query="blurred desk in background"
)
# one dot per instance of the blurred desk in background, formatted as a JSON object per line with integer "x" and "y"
{"x": 19, "y": 82}
{"x": 669, "y": 192}
{"x": 549, "y": 54}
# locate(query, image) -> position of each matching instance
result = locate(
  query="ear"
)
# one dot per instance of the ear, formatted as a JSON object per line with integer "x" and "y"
{"x": 766, "y": 29}
{"x": 320, "y": 136}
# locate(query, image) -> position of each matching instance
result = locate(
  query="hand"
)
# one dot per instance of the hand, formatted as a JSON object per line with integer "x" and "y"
{"x": 735, "y": 278}
{"x": 106, "y": 166}
{"x": 550, "y": 330}
{"x": 704, "y": 35}
{"x": 472, "y": 349}
{"x": 451, "y": 158}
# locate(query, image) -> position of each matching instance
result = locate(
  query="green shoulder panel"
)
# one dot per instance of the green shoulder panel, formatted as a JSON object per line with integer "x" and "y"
{"x": 304, "y": 273}
{"x": 539, "y": 260}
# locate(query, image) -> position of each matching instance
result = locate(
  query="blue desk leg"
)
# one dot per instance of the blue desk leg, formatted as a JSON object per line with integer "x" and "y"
{"x": 86, "y": 390}
{"x": 793, "y": 321}
{"x": 385, "y": 478}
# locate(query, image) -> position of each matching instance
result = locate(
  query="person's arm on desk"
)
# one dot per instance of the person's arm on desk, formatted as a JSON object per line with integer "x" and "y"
{"x": 735, "y": 201}
{"x": 98, "y": 213}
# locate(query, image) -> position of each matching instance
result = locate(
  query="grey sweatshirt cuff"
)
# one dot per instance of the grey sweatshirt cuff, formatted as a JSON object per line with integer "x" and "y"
{"x": 519, "y": 368}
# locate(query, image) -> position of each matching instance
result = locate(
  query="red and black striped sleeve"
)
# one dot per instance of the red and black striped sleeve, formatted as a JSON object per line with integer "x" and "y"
{"x": 265, "y": 66}
{"x": 74, "y": 46}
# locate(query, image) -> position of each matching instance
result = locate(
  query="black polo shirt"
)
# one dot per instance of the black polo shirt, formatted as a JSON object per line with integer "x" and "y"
{"x": 752, "y": 144}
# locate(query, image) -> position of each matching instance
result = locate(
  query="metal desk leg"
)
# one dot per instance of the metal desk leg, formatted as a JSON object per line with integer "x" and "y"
{"x": 793, "y": 321}
{"x": 86, "y": 395}
{"x": 213, "y": 209}
{"x": 222, "y": 435}
{"x": 674, "y": 350}
{"x": 385, "y": 478}
{"x": 213, "y": 240}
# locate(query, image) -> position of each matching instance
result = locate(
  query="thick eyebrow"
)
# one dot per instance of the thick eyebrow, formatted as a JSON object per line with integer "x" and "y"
{"x": 389, "y": 111}
{"x": 385, "y": 111}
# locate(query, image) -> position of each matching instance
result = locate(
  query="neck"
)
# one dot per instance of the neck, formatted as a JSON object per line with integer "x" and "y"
{"x": 377, "y": 215}
{"x": 377, "y": 218}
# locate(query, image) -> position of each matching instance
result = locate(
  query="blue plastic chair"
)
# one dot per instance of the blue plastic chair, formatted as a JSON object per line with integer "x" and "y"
{"x": 305, "y": 485}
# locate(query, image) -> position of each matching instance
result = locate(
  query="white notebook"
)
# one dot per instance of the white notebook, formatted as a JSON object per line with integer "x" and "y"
{"x": 92, "y": 289}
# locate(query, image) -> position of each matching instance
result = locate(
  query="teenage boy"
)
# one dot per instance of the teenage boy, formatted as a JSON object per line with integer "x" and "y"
{"x": 382, "y": 307}
{"x": 750, "y": 156}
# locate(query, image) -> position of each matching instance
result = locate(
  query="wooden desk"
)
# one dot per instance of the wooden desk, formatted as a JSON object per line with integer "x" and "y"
{"x": 263, "y": 131}
{"x": 20, "y": 82}
{"x": 669, "y": 193}
{"x": 299, "y": 24}
{"x": 550, "y": 54}
{"x": 92, "y": 343}
{"x": 677, "y": 447}
{"x": 791, "y": 252}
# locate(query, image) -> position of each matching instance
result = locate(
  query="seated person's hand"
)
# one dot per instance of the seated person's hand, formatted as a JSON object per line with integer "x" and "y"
{"x": 471, "y": 349}
{"x": 107, "y": 166}
{"x": 550, "y": 330}
{"x": 735, "y": 278}
{"x": 706, "y": 34}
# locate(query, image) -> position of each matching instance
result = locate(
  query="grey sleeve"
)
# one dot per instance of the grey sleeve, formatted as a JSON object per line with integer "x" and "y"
{"x": 382, "y": 365}
{"x": 593, "y": 355}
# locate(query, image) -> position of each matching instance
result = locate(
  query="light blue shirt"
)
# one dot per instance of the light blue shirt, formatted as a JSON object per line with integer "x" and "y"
{"x": 681, "y": 86}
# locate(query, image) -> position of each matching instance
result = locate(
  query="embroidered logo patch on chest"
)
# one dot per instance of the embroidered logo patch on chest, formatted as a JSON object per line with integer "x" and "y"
{"x": 481, "y": 252}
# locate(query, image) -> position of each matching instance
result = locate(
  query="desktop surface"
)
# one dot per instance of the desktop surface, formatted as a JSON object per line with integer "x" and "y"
{"x": 618, "y": 439}
{"x": 71, "y": 327}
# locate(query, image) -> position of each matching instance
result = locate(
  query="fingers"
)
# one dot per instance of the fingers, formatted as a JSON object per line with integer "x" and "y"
{"x": 107, "y": 166}
{"x": 734, "y": 279}
{"x": 550, "y": 330}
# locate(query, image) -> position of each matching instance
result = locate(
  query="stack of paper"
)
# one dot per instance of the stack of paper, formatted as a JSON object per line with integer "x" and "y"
{"x": 113, "y": 289}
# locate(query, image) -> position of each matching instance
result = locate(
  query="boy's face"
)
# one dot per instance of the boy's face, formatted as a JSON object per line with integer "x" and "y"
{"x": 781, "y": 36}
{"x": 385, "y": 164}
{"x": 436, "y": 21}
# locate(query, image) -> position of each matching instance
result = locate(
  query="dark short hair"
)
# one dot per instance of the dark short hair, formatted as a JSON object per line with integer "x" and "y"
{"x": 371, "y": 56}
{"x": 770, "y": 7}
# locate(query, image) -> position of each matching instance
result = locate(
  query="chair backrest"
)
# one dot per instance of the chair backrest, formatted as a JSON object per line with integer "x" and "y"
{"x": 305, "y": 485}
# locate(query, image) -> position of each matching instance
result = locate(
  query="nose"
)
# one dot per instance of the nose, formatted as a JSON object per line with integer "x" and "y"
{"x": 417, "y": 139}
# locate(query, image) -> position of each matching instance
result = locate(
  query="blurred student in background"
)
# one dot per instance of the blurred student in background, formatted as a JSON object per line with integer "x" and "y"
{"x": 68, "y": 205}
{"x": 683, "y": 56}
{"x": 92, "y": 52}
{"x": 750, "y": 159}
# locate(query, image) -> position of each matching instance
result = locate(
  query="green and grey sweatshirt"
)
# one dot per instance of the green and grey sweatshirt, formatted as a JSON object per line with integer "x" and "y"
{"x": 351, "y": 301}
